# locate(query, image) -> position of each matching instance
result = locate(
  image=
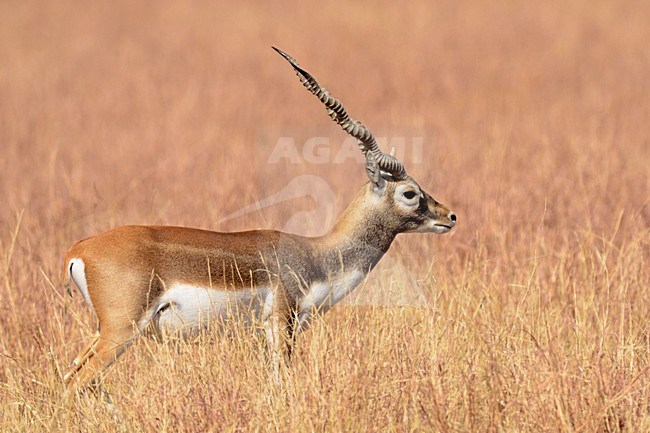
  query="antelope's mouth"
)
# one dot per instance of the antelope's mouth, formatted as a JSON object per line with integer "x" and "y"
{"x": 443, "y": 227}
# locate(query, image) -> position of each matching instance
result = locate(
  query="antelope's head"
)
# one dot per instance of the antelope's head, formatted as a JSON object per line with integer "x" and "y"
{"x": 394, "y": 195}
{"x": 412, "y": 208}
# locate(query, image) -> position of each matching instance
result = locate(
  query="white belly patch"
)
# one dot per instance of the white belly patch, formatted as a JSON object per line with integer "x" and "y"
{"x": 187, "y": 309}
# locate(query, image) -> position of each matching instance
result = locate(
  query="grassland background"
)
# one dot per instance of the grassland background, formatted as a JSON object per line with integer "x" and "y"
{"x": 537, "y": 303}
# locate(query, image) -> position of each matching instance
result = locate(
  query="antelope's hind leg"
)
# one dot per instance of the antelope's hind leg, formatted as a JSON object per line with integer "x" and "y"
{"x": 97, "y": 357}
{"x": 80, "y": 359}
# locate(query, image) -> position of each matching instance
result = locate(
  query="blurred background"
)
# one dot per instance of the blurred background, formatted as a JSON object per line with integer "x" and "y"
{"x": 532, "y": 117}
{"x": 167, "y": 112}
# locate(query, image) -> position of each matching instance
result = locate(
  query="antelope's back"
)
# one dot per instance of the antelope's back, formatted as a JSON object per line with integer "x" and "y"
{"x": 146, "y": 259}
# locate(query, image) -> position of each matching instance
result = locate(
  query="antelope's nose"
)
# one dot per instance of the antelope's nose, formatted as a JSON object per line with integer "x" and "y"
{"x": 452, "y": 217}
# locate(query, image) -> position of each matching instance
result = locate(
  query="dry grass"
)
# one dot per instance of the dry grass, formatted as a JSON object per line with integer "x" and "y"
{"x": 537, "y": 306}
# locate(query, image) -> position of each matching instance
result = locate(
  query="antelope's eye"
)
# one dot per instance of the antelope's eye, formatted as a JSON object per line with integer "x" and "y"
{"x": 410, "y": 194}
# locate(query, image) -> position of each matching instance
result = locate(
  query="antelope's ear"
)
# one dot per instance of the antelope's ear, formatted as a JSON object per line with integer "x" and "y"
{"x": 374, "y": 174}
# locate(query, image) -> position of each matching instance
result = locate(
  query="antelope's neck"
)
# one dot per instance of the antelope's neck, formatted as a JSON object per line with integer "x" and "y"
{"x": 359, "y": 239}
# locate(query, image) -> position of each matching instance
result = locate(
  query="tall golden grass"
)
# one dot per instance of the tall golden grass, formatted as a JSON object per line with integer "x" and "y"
{"x": 536, "y": 305}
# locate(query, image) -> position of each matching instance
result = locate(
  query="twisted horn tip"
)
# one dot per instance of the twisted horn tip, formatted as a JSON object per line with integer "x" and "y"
{"x": 294, "y": 63}
{"x": 282, "y": 53}
{"x": 286, "y": 56}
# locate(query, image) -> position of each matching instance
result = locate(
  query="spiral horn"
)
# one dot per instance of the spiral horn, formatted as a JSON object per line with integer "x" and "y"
{"x": 367, "y": 143}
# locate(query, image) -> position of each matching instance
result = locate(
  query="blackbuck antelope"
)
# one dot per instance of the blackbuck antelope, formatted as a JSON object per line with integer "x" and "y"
{"x": 159, "y": 281}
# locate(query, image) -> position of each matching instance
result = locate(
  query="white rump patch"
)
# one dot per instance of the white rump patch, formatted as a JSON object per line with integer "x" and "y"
{"x": 77, "y": 270}
{"x": 186, "y": 308}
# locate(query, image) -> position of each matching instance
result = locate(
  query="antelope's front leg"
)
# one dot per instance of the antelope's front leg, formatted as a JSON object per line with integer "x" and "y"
{"x": 278, "y": 330}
